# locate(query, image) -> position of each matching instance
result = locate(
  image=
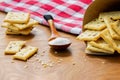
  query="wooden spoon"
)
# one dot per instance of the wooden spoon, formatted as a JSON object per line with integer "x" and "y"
{"x": 56, "y": 41}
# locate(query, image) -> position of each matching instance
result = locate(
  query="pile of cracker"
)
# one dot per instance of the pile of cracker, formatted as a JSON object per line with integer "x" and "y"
{"x": 102, "y": 35}
{"x": 18, "y": 23}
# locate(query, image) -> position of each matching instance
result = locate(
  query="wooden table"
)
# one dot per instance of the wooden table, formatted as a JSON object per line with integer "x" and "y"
{"x": 47, "y": 64}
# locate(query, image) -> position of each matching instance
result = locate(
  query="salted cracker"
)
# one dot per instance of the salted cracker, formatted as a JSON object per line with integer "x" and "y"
{"x": 107, "y": 38}
{"x": 26, "y": 25}
{"x": 95, "y": 25}
{"x": 14, "y": 47}
{"x": 25, "y": 53}
{"x": 113, "y": 33}
{"x": 89, "y": 35}
{"x": 101, "y": 44}
{"x": 95, "y": 49}
{"x": 23, "y": 32}
{"x": 116, "y": 26}
{"x": 115, "y": 15}
{"x": 17, "y": 17}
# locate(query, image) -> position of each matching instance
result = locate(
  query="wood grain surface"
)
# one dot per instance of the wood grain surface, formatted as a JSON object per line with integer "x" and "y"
{"x": 47, "y": 64}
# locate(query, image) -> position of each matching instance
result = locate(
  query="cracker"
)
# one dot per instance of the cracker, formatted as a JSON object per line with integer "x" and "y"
{"x": 107, "y": 38}
{"x": 113, "y": 34}
{"x": 14, "y": 47}
{"x": 116, "y": 26}
{"x": 8, "y": 25}
{"x": 89, "y": 35}
{"x": 23, "y": 32}
{"x": 115, "y": 15}
{"x": 118, "y": 45}
{"x": 100, "y": 43}
{"x": 95, "y": 25}
{"x": 96, "y": 53}
{"x": 17, "y": 17}
{"x": 26, "y": 25}
{"x": 5, "y": 24}
{"x": 95, "y": 49}
{"x": 25, "y": 53}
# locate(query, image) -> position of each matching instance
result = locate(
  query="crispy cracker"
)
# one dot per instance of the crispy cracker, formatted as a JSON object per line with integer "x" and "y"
{"x": 14, "y": 47}
{"x": 115, "y": 15}
{"x": 113, "y": 34}
{"x": 8, "y": 25}
{"x": 23, "y": 32}
{"x": 95, "y": 25}
{"x": 25, "y": 53}
{"x": 96, "y": 53}
{"x": 116, "y": 26}
{"x": 107, "y": 38}
{"x": 100, "y": 43}
{"x": 26, "y": 25}
{"x": 89, "y": 35}
{"x": 17, "y": 17}
{"x": 117, "y": 45}
{"x": 95, "y": 49}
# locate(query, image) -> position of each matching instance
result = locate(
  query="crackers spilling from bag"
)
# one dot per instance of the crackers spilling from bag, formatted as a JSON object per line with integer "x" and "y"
{"x": 18, "y": 23}
{"x": 102, "y": 35}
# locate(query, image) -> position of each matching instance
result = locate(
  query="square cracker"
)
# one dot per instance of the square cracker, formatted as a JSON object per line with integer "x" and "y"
{"x": 113, "y": 33}
{"x": 8, "y": 25}
{"x": 118, "y": 46}
{"x": 26, "y": 25}
{"x": 25, "y": 53}
{"x": 115, "y": 15}
{"x": 95, "y": 25}
{"x": 116, "y": 26}
{"x": 14, "y": 47}
{"x": 107, "y": 38}
{"x": 96, "y": 53}
{"x": 17, "y": 17}
{"x": 100, "y": 43}
{"x": 95, "y": 49}
{"x": 89, "y": 35}
{"x": 23, "y": 32}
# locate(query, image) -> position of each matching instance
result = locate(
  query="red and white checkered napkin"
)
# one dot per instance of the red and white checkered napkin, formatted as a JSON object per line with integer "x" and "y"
{"x": 68, "y": 14}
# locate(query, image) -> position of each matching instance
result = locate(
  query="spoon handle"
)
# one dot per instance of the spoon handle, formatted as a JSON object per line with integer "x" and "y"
{"x": 54, "y": 32}
{"x": 48, "y": 17}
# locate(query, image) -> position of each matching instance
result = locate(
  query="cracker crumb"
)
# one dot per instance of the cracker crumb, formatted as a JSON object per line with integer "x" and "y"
{"x": 12, "y": 62}
{"x": 41, "y": 54}
{"x": 39, "y": 61}
{"x": 73, "y": 63}
{"x": 26, "y": 66}
{"x": 56, "y": 52}
{"x": 45, "y": 65}
{"x": 103, "y": 62}
{"x": 51, "y": 65}
{"x": 59, "y": 61}
{"x": 43, "y": 51}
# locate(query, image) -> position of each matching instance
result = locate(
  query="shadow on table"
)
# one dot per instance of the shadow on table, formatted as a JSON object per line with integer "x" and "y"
{"x": 61, "y": 53}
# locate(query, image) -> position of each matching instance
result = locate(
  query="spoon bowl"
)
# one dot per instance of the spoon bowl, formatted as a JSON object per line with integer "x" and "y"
{"x": 59, "y": 43}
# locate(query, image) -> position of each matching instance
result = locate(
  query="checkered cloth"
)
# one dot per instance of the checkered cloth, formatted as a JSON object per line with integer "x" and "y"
{"x": 68, "y": 14}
